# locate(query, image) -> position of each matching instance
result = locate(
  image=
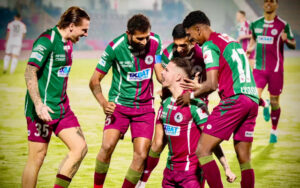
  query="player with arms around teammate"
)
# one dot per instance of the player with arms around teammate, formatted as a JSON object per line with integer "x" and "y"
{"x": 244, "y": 34}
{"x": 133, "y": 57}
{"x": 269, "y": 33}
{"x": 227, "y": 70}
{"x": 47, "y": 106}
{"x": 15, "y": 34}
{"x": 181, "y": 47}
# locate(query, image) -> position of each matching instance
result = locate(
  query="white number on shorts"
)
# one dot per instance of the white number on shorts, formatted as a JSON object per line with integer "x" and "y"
{"x": 42, "y": 130}
{"x": 244, "y": 77}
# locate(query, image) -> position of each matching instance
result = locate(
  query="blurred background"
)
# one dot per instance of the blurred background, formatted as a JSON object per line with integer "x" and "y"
{"x": 109, "y": 17}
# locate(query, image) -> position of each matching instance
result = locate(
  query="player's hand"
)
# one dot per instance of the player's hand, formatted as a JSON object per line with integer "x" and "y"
{"x": 231, "y": 177}
{"x": 109, "y": 108}
{"x": 189, "y": 84}
{"x": 284, "y": 36}
{"x": 42, "y": 111}
{"x": 184, "y": 99}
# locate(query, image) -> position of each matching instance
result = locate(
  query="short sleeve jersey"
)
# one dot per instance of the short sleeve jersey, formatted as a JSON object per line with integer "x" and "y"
{"x": 235, "y": 77}
{"x": 16, "y": 30}
{"x": 244, "y": 29}
{"x": 132, "y": 83}
{"x": 269, "y": 48}
{"x": 53, "y": 57}
{"x": 182, "y": 129}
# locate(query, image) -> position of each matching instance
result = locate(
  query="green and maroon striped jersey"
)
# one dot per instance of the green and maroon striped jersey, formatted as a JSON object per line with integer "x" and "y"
{"x": 235, "y": 77}
{"x": 132, "y": 83}
{"x": 52, "y": 55}
{"x": 269, "y": 45}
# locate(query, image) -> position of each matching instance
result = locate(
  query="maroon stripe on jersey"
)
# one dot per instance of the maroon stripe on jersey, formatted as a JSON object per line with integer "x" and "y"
{"x": 263, "y": 53}
{"x": 34, "y": 64}
{"x": 137, "y": 83}
{"x": 111, "y": 43}
{"x": 212, "y": 68}
{"x": 45, "y": 35}
{"x": 101, "y": 71}
{"x": 166, "y": 53}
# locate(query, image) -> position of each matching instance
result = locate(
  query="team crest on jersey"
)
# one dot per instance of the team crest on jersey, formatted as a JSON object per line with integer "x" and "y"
{"x": 64, "y": 71}
{"x": 172, "y": 130}
{"x": 209, "y": 126}
{"x": 274, "y": 31}
{"x": 178, "y": 117}
{"x": 207, "y": 57}
{"x": 258, "y": 30}
{"x": 139, "y": 76}
{"x": 149, "y": 59}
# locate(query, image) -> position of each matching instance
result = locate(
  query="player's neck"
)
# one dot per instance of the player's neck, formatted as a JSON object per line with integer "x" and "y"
{"x": 176, "y": 90}
{"x": 63, "y": 33}
{"x": 270, "y": 16}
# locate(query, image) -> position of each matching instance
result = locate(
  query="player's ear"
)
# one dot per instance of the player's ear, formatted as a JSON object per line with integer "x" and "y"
{"x": 71, "y": 27}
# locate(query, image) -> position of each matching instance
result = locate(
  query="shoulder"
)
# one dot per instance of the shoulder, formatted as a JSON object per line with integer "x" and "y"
{"x": 117, "y": 42}
{"x": 46, "y": 39}
{"x": 258, "y": 20}
{"x": 280, "y": 20}
{"x": 155, "y": 37}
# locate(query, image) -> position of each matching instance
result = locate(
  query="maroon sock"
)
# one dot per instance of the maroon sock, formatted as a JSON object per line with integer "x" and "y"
{"x": 212, "y": 174}
{"x": 151, "y": 163}
{"x": 127, "y": 184}
{"x": 262, "y": 102}
{"x": 99, "y": 179}
{"x": 275, "y": 114}
{"x": 248, "y": 179}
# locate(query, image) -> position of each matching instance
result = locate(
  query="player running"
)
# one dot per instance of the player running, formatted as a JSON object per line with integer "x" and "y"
{"x": 181, "y": 47}
{"x": 47, "y": 106}
{"x": 244, "y": 34}
{"x": 15, "y": 34}
{"x": 227, "y": 70}
{"x": 269, "y": 33}
{"x": 133, "y": 57}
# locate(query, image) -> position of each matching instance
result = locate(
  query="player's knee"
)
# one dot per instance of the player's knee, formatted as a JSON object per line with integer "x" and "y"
{"x": 274, "y": 103}
{"x": 243, "y": 157}
{"x": 80, "y": 151}
{"x": 140, "y": 156}
{"x": 202, "y": 150}
{"x": 157, "y": 146}
{"x": 38, "y": 156}
{"x": 107, "y": 149}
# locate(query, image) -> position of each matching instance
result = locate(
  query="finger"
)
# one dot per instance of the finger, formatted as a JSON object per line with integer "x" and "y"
{"x": 50, "y": 110}
{"x": 187, "y": 80}
{"x": 197, "y": 75}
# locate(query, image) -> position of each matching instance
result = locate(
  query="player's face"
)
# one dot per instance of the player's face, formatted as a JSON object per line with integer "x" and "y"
{"x": 270, "y": 6}
{"x": 183, "y": 46}
{"x": 195, "y": 35}
{"x": 139, "y": 40}
{"x": 79, "y": 31}
{"x": 238, "y": 16}
{"x": 169, "y": 75}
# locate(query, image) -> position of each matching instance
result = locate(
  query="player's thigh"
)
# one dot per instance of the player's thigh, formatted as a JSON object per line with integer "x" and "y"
{"x": 38, "y": 131}
{"x": 8, "y": 48}
{"x": 274, "y": 99}
{"x": 191, "y": 180}
{"x": 73, "y": 137}
{"x": 16, "y": 50}
{"x": 276, "y": 83}
{"x": 261, "y": 78}
{"x": 141, "y": 146}
{"x": 206, "y": 144}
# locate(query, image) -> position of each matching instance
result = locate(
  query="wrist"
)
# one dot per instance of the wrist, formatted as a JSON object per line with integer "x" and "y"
{"x": 192, "y": 95}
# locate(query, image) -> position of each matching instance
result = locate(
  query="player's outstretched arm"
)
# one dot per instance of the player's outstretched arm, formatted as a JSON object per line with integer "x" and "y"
{"x": 221, "y": 157}
{"x": 41, "y": 109}
{"x": 108, "y": 107}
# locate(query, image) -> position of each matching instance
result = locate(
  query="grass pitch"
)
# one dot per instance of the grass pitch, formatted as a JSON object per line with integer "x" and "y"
{"x": 276, "y": 165}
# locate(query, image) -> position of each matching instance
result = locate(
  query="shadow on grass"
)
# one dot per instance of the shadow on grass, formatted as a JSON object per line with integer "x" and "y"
{"x": 262, "y": 159}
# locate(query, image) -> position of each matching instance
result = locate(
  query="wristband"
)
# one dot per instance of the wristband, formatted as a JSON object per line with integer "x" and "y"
{"x": 192, "y": 95}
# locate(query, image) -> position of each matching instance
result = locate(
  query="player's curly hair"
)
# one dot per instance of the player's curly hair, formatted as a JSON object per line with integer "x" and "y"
{"x": 72, "y": 15}
{"x": 178, "y": 32}
{"x": 138, "y": 22}
{"x": 184, "y": 64}
{"x": 195, "y": 17}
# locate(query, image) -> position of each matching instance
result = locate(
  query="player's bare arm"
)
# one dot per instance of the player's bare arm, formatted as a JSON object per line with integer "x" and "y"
{"x": 108, "y": 107}
{"x": 42, "y": 110}
{"x": 159, "y": 141}
{"x": 251, "y": 46}
{"x": 231, "y": 177}
{"x": 290, "y": 43}
{"x": 203, "y": 89}
{"x": 158, "y": 68}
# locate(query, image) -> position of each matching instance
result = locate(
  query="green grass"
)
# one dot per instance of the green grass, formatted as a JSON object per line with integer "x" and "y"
{"x": 275, "y": 165}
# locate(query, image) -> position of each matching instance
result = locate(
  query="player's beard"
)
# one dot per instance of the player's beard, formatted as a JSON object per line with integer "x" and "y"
{"x": 137, "y": 46}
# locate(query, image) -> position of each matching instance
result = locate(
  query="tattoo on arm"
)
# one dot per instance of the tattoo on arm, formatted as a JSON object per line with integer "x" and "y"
{"x": 96, "y": 89}
{"x": 32, "y": 83}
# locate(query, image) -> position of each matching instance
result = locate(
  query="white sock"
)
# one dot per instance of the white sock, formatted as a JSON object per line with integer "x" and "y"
{"x": 6, "y": 62}
{"x": 274, "y": 132}
{"x": 14, "y": 63}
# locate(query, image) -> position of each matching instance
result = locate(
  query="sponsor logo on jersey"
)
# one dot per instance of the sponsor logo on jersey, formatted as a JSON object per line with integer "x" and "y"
{"x": 60, "y": 57}
{"x": 102, "y": 62}
{"x": 207, "y": 57}
{"x": 178, "y": 117}
{"x": 126, "y": 63}
{"x": 201, "y": 113}
{"x": 39, "y": 48}
{"x": 64, "y": 71}
{"x": 265, "y": 40}
{"x": 249, "y": 134}
{"x": 139, "y": 76}
{"x": 274, "y": 31}
{"x": 149, "y": 59}
{"x": 268, "y": 25}
{"x": 258, "y": 30}
{"x": 171, "y": 107}
{"x": 172, "y": 130}
{"x": 37, "y": 56}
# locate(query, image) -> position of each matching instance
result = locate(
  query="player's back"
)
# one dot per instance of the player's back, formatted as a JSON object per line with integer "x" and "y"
{"x": 16, "y": 30}
{"x": 223, "y": 53}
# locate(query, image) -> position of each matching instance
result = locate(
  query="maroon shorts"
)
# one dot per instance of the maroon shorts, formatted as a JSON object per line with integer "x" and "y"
{"x": 38, "y": 131}
{"x": 141, "y": 121}
{"x": 236, "y": 114}
{"x": 184, "y": 179}
{"x": 273, "y": 79}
